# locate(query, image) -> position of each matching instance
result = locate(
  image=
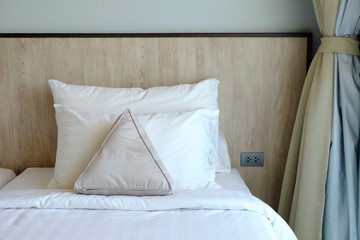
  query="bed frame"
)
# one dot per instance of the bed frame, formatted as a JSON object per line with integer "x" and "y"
{"x": 261, "y": 80}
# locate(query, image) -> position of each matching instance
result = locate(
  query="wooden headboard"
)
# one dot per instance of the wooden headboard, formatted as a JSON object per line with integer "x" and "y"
{"x": 261, "y": 79}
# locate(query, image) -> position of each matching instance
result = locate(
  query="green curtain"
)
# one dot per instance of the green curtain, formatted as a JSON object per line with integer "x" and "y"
{"x": 303, "y": 192}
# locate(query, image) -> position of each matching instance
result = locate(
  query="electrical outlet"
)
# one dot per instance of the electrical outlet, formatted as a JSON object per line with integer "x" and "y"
{"x": 250, "y": 159}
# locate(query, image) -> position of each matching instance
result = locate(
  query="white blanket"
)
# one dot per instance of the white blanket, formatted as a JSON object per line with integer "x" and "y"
{"x": 211, "y": 214}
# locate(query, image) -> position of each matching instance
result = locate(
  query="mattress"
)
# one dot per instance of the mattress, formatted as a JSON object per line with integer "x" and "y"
{"x": 39, "y": 178}
{"x": 229, "y": 213}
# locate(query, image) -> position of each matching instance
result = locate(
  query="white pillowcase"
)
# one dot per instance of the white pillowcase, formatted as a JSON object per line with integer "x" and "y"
{"x": 178, "y": 98}
{"x": 182, "y": 140}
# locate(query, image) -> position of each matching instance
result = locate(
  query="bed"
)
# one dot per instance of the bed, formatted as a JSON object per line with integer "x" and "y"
{"x": 139, "y": 142}
{"x": 48, "y": 214}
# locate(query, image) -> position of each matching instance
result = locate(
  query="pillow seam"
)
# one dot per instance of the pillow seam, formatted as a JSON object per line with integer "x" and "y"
{"x": 146, "y": 145}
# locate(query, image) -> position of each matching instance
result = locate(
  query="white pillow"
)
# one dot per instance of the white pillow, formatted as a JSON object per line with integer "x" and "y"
{"x": 182, "y": 140}
{"x": 6, "y": 175}
{"x": 126, "y": 164}
{"x": 178, "y": 98}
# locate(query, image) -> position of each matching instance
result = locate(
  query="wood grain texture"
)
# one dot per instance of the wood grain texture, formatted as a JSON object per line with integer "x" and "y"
{"x": 261, "y": 81}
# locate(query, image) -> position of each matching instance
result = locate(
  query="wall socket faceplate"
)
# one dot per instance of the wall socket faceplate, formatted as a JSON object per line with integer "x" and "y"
{"x": 250, "y": 159}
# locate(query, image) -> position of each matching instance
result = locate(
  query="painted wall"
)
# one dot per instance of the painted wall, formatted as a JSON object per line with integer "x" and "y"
{"x": 157, "y": 16}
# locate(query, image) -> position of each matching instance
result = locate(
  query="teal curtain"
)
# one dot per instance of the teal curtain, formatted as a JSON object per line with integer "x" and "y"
{"x": 341, "y": 213}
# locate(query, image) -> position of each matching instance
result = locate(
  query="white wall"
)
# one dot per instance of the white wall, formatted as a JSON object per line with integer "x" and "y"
{"x": 157, "y": 16}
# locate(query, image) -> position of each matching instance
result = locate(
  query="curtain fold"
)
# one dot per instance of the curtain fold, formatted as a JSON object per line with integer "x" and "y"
{"x": 341, "y": 214}
{"x": 321, "y": 187}
{"x": 303, "y": 192}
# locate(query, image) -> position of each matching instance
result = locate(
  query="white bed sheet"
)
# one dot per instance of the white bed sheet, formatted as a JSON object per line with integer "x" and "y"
{"x": 29, "y": 211}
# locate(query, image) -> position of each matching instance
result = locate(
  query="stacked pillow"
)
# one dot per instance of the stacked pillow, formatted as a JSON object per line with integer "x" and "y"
{"x": 180, "y": 124}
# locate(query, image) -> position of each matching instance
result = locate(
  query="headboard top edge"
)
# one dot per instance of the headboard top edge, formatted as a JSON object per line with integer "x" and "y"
{"x": 155, "y": 35}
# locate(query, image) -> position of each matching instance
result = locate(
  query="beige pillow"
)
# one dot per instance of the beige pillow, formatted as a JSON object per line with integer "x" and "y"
{"x": 126, "y": 164}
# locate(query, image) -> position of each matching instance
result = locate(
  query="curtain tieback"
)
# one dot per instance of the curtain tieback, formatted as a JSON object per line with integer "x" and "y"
{"x": 345, "y": 45}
